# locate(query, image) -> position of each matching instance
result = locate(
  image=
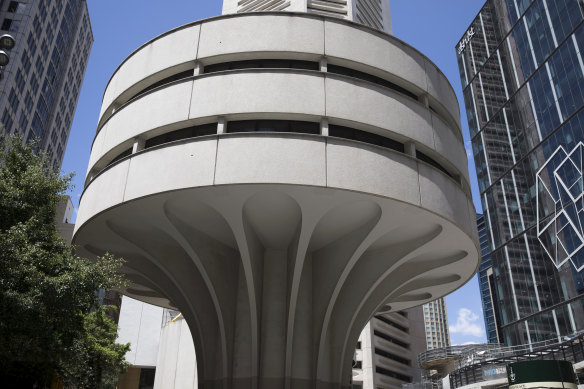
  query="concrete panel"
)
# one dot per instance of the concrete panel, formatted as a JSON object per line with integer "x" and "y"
{"x": 450, "y": 146}
{"x": 440, "y": 88}
{"x": 288, "y": 159}
{"x": 186, "y": 367}
{"x": 97, "y": 148}
{"x": 363, "y": 102}
{"x": 168, "y": 356}
{"x": 441, "y": 195}
{"x": 262, "y": 33}
{"x": 105, "y": 191}
{"x": 165, "y": 106}
{"x": 164, "y": 52}
{"x": 376, "y": 170}
{"x": 272, "y": 91}
{"x": 182, "y": 165}
{"x": 381, "y": 51}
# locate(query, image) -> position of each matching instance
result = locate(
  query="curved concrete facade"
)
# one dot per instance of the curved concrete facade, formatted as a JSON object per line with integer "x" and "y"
{"x": 278, "y": 247}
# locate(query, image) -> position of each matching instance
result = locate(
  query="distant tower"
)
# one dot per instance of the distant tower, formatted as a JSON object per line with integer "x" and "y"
{"x": 280, "y": 178}
{"x": 372, "y": 13}
{"x": 436, "y": 324}
{"x": 40, "y": 86}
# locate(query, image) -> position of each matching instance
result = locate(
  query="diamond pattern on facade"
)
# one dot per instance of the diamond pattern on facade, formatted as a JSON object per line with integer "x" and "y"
{"x": 560, "y": 207}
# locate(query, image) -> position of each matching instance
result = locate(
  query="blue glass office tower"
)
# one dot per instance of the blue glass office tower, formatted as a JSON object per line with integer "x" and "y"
{"x": 523, "y": 77}
{"x": 485, "y": 283}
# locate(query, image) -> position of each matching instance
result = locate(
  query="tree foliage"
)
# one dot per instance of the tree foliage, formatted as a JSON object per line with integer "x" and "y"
{"x": 50, "y": 320}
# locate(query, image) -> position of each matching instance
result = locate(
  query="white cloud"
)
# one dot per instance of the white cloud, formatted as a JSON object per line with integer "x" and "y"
{"x": 466, "y": 324}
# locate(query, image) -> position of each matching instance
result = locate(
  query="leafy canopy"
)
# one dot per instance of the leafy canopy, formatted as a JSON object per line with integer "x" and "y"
{"x": 46, "y": 291}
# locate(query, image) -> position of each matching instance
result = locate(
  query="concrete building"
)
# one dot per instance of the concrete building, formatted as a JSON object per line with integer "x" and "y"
{"x": 40, "y": 86}
{"x": 372, "y": 13}
{"x": 436, "y": 324}
{"x": 279, "y": 186}
{"x": 162, "y": 353}
{"x": 387, "y": 350}
{"x": 523, "y": 77}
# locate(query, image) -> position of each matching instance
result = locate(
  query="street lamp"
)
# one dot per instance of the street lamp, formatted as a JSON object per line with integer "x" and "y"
{"x": 7, "y": 43}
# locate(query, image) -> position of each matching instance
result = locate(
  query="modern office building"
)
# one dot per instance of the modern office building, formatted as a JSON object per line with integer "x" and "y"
{"x": 523, "y": 77}
{"x": 436, "y": 324}
{"x": 372, "y": 13}
{"x": 486, "y": 284}
{"x": 387, "y": 350}
{"x": 40, "y": 86}
{"x": 279, "y": 178}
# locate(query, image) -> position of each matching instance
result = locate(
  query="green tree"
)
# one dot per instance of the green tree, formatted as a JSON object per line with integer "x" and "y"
{"x": 50, "y": 320}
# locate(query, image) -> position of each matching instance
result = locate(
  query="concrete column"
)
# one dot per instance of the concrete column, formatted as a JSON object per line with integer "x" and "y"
{"x": 221, "y": 125}
{"x": 139, "y": 144}
{"x": 198, "y": 69}
{"x": 323, "y": 64}
{"x": 324, "y": 127}
{"x": 424, "y": 100}
{"x": 410, "y": 149}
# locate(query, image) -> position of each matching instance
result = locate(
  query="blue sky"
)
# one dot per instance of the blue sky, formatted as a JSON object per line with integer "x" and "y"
{"x": 119, "y": 27}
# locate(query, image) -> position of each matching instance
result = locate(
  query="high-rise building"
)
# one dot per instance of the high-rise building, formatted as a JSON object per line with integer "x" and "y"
{"x": 40, "y": 86}
{"x": 387, "y": 350}
{"x": 436, "y": 324}
{"x": 522, "y": 72}
{"x": 372, "y": 13}
{"x": 486, "y": 285}
{"x": 279, "y": 178}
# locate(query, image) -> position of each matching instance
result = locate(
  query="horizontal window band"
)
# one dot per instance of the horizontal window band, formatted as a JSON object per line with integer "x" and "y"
{"x": 278, "y": 126}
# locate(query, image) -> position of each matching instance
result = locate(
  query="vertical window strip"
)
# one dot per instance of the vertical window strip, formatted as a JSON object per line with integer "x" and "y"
{"x": 549, "y": 19}
{"x": 474, "y": 66}
{"x": 539, "y": 138}
{"x": 476, "y": 112}
{"x": 571, "y": 315}
{"x": 532, "y": 271}
{"x": 512, "y": 285}
{"x": 483, "y": 96}
{"x": 490, "y": 222}
{"x": 528, "y": 335}
{"x": 486, "y": 157}
{"x": 549, "y": 73}
{"x": 509, "y": 138}
{"x": 556, "y": 324}
{"x": 530, "y": 42}
{"x": 518, "y": 202}
{"x": 466, "y": 74}
{"x": 484, "y": 35}
{"x": 578, "y": 54}
{"x": 513, "y": 63}
{"x": 507, "y": 212}
{"x": 503, "y": 75}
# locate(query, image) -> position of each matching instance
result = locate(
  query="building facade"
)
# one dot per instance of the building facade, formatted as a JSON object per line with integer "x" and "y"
{"x": 372, "y": 13}
{"x": 523, "y": 77}
{"x": 387, "y": 350}
{"x": 279, "y": 191}
{"x": 486, "y": 284}
{"x": 436, "y": 324}
{"x": 40, "y": 86}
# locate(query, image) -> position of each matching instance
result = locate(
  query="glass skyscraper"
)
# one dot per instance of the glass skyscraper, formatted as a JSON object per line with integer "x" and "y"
{"x": 523, "y": 77}
{"x": 40, "y": 86}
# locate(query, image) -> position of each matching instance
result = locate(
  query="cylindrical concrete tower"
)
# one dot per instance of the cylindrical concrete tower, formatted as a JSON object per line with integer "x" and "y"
{"x": 279, "y": 178}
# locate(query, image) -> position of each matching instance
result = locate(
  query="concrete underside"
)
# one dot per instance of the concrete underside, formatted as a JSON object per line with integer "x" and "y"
{"x": 277, "y": 281}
